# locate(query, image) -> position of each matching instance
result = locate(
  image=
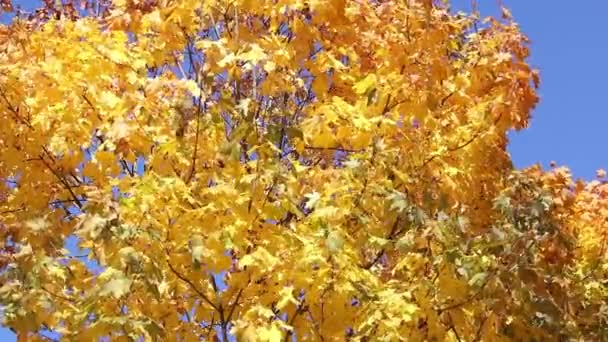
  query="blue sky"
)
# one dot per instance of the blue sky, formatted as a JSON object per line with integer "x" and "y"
{"x": 570, "y": 47}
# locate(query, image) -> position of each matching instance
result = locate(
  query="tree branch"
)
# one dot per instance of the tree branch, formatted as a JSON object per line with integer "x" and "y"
{"x": 453, "y": 329}
{"x": 337, "y": 148}
{"x": 236, "y": 301}
{"x": 299, "y": 310}
{"x": 10, "y": 211}
{"x": 468, "y": 300}
{"x": 63, "y": 181}
{"x": 191, "y": 284}
{"x": 14, "y": 110}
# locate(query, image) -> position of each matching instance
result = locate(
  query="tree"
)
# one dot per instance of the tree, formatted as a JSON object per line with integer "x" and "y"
{"x": 284, "y": 170}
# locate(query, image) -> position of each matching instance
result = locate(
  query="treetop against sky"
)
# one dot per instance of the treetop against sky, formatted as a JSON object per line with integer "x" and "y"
{"x": 276, "y": 170}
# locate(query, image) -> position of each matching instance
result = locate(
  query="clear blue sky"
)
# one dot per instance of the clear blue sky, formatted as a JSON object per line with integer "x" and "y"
{"x": 570, "y": 47}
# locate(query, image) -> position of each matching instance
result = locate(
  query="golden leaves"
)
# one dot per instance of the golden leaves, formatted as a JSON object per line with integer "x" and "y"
{"x": 271, "y": 170}
{"x": 115, "y": 283}
{"x": 260, "y": 258}
{"x": 365, "y": 85}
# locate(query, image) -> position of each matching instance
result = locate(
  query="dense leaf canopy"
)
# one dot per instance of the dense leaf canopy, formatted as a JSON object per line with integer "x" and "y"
{"x": 277, "y": 170}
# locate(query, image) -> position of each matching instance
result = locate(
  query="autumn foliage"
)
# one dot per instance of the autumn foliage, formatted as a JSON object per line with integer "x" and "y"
{"x": 319, "y": 170}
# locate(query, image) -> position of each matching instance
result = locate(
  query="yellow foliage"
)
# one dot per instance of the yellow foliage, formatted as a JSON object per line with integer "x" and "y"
{"x": 268, "y": 170}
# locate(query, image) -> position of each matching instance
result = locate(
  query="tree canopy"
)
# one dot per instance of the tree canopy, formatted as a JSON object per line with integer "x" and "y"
{"x": 273, "y": 170}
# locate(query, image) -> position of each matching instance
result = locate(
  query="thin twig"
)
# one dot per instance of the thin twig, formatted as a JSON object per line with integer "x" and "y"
{"x": 63, "y": 181}
{"x": 191, "y": 284}
{"x": 12, "y": 211}
{"x": 233, "y": 306}
{"x": 454, "y": 328}
{"x": 598, "y": 262}
{"x": 196, "y": 139}
{"x": 337, "y": 148}
{"x": 479, "y": 330}
{"x": 469, "y": 299}
{"x": 299, "y": 310}
{"x": 383, "y": 250}
{"x": 66, "y": 299}
{"x": 14, "y": 110}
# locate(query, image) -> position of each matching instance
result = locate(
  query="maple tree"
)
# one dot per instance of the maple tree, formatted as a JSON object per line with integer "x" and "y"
{"x": 283, "y": 170}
